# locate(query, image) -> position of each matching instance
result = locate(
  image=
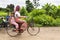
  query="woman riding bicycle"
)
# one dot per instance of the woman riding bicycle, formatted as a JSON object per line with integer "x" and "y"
{"x": 18, "y": 20}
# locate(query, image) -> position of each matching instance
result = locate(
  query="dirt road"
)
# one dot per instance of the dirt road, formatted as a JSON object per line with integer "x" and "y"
{"x": 46, "y": 33}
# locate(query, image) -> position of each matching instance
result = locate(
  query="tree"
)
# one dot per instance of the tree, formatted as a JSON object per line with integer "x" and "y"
{"x": 10, "y": 7}
{"x": 23, "y": 11}
{"x": 29, "y": 6}
{"x": 47, "y": 7}
{"x": 51, "y": 10}
{"x": 36, "y": 3}
{"x": 0, "y": 9}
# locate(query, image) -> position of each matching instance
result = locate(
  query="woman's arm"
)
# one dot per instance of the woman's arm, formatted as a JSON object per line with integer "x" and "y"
{"x": 21, "y": 16}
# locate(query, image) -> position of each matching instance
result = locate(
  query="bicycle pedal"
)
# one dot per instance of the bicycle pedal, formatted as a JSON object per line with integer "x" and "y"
{"x": 21, "y": 31}
{"x": 15, "y": 30}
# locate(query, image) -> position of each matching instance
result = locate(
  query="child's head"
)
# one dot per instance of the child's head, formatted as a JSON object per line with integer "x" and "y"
{"x": 12, "y": 14}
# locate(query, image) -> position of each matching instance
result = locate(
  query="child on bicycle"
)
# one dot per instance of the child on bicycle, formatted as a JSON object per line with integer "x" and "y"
{"x": 12, "y": 21}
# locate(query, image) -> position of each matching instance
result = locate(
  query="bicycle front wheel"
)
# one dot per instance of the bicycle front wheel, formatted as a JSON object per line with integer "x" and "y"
{"x": 33, "y": 30}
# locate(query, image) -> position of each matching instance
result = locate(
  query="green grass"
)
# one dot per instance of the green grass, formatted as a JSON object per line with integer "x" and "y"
{"x": 2, "y": 13}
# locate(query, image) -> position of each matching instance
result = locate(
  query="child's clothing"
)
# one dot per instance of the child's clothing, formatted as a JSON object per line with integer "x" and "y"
{"x": 12, "y": 21}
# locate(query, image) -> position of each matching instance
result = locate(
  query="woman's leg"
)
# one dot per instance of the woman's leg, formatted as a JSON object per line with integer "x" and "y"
{"x": 24, "y": 24}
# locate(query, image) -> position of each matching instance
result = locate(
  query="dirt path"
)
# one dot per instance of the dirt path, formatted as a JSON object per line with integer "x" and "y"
{"x": 47, "y": 33}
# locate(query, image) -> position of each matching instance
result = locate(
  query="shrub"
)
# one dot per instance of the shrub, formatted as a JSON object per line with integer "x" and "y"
{"x": 58, "y": 21}
{"x": 37, "y": 12}
{"x": 44, "y": 19}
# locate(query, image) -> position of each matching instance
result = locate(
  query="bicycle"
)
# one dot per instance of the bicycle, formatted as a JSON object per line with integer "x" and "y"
{"x": 30, "y": 29}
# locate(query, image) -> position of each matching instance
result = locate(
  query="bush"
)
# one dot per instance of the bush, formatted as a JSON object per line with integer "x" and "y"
{"x": 58, "y": 21}
{"x": 37, "y": 12}
{"x": 41, "y": 18}
{"x": 44, "y": 19}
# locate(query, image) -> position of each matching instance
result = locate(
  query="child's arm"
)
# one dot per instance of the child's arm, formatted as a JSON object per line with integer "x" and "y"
{"x": 9, "y": 20}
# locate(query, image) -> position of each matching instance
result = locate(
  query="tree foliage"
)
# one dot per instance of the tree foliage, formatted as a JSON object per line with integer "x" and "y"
{"x": 29, "y": 6}
{"x": 10, "y": 7}
{"x": 48, "y": 15}
{"x": 36, "y": 3}
{"x": 23, "y": 11}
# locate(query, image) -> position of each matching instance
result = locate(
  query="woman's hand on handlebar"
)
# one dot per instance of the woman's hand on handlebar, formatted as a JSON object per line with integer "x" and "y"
{"x": 25, "y": 16}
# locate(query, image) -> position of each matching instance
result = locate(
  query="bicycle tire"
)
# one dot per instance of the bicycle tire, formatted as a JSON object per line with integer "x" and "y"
{"x": 7, "y": 30}
{"x": 33, "y": 31}
{"x": 31, "y": 24}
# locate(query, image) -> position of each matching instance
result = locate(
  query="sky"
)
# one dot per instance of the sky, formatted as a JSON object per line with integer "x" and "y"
{"x": 4, "y": 3}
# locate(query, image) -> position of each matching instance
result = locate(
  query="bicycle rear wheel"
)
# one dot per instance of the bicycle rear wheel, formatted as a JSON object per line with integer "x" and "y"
{"x": 11, "y": 30}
